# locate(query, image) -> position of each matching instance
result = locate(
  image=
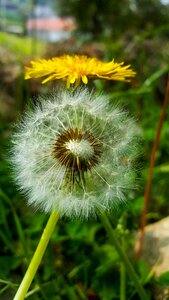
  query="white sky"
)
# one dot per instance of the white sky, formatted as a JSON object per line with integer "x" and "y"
{"x": 165, "y": 1}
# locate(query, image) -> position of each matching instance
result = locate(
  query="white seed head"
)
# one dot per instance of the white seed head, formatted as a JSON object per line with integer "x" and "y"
{"x": 81, "y": 148}
{"x": 74, "y": 153}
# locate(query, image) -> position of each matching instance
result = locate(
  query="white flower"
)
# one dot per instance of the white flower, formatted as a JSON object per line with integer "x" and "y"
{"x": 74, "y": 153}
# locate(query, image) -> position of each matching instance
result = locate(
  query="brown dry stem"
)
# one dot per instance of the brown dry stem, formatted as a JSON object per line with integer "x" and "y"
{"x": 140, "y": 242}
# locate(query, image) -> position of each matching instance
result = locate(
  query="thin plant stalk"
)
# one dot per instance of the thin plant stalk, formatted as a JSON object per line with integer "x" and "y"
{"x": 123, "y": 256}
{"x": 140, "y": 242}
{"x": 37, "y": 257}
{"x": 123, "y": 274}
{"x": 122, "y": 265}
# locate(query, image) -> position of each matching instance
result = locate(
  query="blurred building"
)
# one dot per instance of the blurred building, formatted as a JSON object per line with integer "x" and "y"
{"x": 50, "y": 29}
{"x": 37, "y": 19}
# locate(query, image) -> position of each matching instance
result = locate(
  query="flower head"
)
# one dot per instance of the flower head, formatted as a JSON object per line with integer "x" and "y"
{"x": 74, "y": 153}
{"x": 75, "y": 68}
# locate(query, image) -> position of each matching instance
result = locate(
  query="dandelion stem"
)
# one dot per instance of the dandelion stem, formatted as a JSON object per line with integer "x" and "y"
{"x": 122, "y": 281}
{"x": 123, "y": 256}
{"x": 139, "y": 245}
{"x": 37, "y": 257}
{"x": 123, "y": 272}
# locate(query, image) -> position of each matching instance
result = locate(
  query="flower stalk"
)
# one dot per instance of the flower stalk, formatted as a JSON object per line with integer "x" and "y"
{"x": 37, "y": 257}
{"x": 122, "y": 278}
{"x": 139, "y": 245}
{"x": 123, "y": 256}
{"x": 122, "y": 265}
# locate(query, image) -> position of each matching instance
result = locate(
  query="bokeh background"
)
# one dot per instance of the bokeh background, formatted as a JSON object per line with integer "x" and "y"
{"x": 80, "y": 262}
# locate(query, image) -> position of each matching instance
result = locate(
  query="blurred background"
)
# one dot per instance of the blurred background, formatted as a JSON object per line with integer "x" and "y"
{"x": 80, "y": 262}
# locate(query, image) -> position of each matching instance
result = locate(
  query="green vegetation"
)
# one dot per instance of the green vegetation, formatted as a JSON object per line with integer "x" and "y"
{"x": 22, "y": 48}
{"x": 81, "y": 262}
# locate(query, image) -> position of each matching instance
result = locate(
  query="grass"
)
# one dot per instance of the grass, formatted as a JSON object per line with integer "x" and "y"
{"x": 22, "y": 48}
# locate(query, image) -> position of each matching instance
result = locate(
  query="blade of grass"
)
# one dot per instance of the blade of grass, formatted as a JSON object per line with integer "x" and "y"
{"x": 123, "y": 256}
{"x": 4, "y": 220}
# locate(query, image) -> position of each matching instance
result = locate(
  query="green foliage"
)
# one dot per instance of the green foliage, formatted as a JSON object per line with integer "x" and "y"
{"x": 164, "y": 279}
{"x": 80, "y": 262}
{"x": 21, "y": 47}
{"x": 98, "y": 18}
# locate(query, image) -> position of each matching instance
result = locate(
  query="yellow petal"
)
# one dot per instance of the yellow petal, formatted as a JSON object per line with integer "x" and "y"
{"x": 68, "y": 83}
{"x": 84, "y": 79}
{"x": 53, "y": 76}
{"x": 72, "y": 79}
{"x": 27, "y": 76}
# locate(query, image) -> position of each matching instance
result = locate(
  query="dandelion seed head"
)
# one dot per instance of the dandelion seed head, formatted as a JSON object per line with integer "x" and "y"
{"x": 74, "y": 153}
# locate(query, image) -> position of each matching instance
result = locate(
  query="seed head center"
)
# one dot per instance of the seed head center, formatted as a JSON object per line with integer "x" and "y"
{"x": 78, "y": 151}
{"x": 81, "y": 148}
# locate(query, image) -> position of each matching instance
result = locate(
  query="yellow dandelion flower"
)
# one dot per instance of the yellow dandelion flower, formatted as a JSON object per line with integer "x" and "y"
{"x": 77, "y": 68}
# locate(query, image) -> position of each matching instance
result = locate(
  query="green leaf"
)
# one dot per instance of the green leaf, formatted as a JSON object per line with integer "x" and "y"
{"x": 164, "y": 279}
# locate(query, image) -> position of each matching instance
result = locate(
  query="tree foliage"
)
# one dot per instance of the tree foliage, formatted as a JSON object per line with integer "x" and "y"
{"x": 113, "y": 17}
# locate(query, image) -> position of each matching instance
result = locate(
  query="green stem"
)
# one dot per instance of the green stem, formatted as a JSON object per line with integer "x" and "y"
{"x": 123, "y": 275}
{"x": 123, "y": 256}
{"x": 122, "y": 265}
{"x": 37, "y": 257}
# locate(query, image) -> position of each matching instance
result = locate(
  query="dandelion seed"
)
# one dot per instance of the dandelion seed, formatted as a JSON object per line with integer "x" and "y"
{"x": 77, "y": 68}
{"x": 74, "y": 153}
